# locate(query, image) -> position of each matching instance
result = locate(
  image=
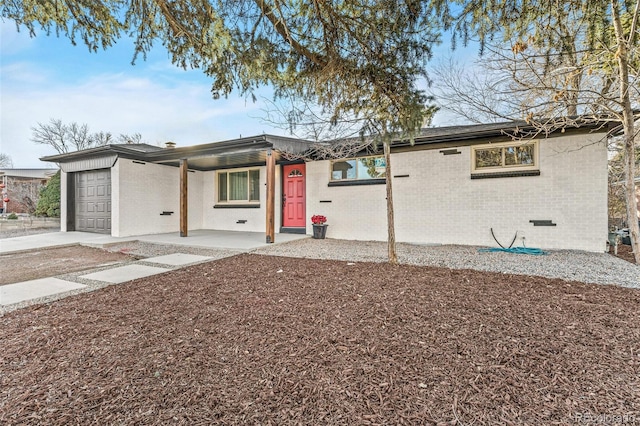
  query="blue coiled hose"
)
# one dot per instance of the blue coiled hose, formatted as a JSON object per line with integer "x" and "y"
{"x": 511, "y": 249}
{"x": 517, "y": 250}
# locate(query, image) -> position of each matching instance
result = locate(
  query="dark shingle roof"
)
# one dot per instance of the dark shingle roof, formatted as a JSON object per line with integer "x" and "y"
{"x": 465, "y": 134}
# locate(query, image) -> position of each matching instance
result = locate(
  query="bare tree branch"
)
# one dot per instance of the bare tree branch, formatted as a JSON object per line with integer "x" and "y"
{"x": 75, "y": 137}
{"x": 5, "y": 161}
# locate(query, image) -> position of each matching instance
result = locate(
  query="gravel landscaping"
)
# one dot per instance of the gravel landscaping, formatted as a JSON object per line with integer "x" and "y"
{"x": 28, "y": 226}
{"x": 21, "y": 232}
{"x": 598, "y": 268}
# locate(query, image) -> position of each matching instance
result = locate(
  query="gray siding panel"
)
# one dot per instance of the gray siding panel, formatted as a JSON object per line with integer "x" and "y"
{"x": 89, "y": 164}
{"x": 93, "y": 201}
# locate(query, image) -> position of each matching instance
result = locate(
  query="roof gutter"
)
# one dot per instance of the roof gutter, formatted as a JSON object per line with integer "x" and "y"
{"x": 226, "y": 147}
{"x": 100, "y": 151}
{"x": 504, "y": 131}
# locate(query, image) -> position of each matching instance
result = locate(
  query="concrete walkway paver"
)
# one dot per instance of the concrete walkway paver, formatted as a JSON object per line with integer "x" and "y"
{"x": 125, "y": 273}
{"x": 177, "y": 259}
{"x": 27, "y": 290}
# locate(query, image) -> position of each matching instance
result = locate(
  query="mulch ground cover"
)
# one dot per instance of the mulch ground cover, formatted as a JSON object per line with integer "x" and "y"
{"x": 268, "y": 340}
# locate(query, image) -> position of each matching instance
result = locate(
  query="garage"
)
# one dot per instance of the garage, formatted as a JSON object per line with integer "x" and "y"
{"x": 93, "y": 201}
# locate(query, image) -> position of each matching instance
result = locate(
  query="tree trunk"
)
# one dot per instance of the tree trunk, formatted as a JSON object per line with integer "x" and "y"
{"x": 630, "y": 189}
{"x": 391, "y": 232}
{"x": 629, "y": 131}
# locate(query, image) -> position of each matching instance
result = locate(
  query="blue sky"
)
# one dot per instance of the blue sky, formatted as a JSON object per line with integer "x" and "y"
{"x": 47, "y": 77}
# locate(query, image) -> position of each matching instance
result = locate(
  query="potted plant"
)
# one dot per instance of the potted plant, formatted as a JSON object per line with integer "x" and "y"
{"x": 319, "y": 226}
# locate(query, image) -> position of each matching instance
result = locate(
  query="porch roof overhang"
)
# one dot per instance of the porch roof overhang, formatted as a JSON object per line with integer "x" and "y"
{"x": 232, "y": 153}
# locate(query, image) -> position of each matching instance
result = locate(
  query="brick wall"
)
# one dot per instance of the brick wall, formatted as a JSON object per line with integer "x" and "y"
{"x": 439, "y": 203}
{"x": 142, "y": 191}
{"x": 239, "y": 219}
{"x": 64, "y": 194}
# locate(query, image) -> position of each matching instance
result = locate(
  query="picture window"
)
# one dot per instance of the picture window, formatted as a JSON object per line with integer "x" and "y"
{"x": 361, "y": 168}
{"x": 239, "y": 186}
{"x": 505, "y": 157}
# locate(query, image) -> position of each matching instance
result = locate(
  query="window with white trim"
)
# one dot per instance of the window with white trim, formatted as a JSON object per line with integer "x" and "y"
{"x": 239, "y": 186}
{"x": 360, "y": 168}
{"x": 505, "y": 157}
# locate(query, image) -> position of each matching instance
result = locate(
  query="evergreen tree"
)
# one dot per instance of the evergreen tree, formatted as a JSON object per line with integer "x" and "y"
{"x": 49, "y": 201}
{"x": 355, "y": 58}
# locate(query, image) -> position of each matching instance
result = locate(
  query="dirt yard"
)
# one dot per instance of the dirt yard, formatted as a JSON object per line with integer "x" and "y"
{"x": 268, "y": 340}
{"x": 43, "y": 263}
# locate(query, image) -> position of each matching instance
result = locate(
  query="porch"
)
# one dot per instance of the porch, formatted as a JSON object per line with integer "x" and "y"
{"x": 204, "y": 238}
{"x": 235, "y": 185}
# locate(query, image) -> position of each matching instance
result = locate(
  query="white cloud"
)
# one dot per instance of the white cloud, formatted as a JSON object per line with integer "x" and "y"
{"x": 12, "y": 41}
{"x": 21, "y": 72}
{"x": 44, "y": 78}
{"x": 183, "y": 112}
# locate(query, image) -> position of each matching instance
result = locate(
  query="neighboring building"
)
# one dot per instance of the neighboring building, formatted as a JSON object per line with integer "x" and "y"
{"x": 454, "y": 185}
{"x": 22, "y": 187}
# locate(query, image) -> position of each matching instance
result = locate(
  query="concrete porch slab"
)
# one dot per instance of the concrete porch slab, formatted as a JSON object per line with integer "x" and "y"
{"x": 218, "y": 239}
{"x": 205, "y": 238}
{"x": 177, "y": 259}
{"x": 26, "y": 290}
{"x": 125, "y": 273}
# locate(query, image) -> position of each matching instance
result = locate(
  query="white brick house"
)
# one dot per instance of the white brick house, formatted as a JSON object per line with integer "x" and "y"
{"x": 453, "y": 186}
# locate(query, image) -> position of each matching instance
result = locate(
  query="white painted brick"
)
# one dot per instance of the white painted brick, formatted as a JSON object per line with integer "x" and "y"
{"x": 226, "y": 219}
{"x": 64, "y": 193}
{"x": 140, "y": 192}
{"x": 439, "y": 203}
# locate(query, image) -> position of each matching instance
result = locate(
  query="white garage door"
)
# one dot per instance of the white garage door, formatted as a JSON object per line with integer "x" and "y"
{"x": 93, "y": 201}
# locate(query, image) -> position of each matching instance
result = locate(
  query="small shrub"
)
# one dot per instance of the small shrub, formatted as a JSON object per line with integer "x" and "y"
{"x": 12, "y": 216}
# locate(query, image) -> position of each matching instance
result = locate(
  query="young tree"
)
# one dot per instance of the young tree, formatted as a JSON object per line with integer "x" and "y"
{"x": 345, "y": 139}
{"x": 579, "y": 57}
{"x": 74, "y": 137}
{"x": 342, "y": 145}
{"x": 356, "y": 58}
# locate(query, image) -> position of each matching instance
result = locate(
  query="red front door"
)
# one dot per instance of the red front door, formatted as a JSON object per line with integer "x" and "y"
{"x": 293, "y": 196}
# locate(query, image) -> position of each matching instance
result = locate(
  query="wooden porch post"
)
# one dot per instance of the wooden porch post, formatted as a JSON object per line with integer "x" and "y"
{"x": 271, "y": 194}
{"x": 184, "y": 199}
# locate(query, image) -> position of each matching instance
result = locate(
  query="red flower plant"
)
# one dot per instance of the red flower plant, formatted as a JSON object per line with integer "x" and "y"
{"x": 318, "y": 219}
